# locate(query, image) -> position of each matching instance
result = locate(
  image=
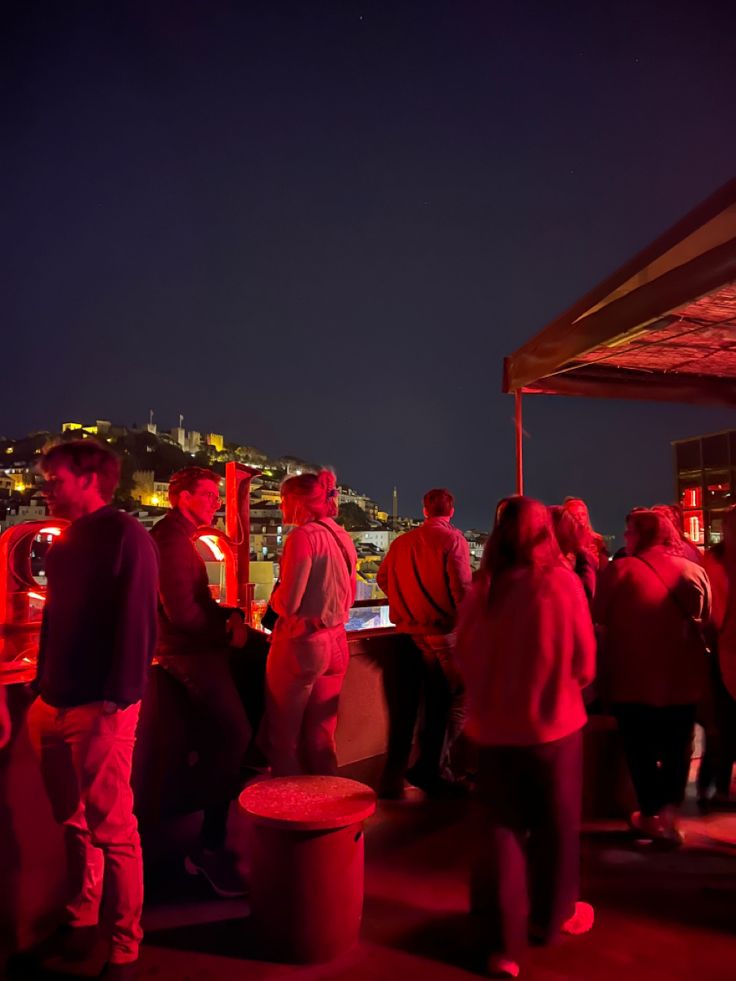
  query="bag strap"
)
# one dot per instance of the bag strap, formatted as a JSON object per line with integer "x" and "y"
{"x": 340, "y": 545}
{"x": 693, "y": 623}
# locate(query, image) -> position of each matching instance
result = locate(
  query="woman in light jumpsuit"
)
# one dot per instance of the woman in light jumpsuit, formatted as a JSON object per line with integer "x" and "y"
{"x": 309, "y": 650}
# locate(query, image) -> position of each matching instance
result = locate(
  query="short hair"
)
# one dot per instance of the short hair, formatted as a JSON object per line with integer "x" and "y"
{"x": 187, "y": 480}
{"x": 650, "y": 529}
{"x": 438, "y": 502}
{"x": 86, "y": 456}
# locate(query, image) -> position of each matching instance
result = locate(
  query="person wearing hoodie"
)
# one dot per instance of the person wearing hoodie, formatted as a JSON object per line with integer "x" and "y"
{"x": 526, "y": 649}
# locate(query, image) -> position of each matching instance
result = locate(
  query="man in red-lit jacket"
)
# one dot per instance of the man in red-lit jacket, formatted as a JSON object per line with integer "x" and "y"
{"x": 218, "y": 659}
{"x": 97, "y": 641}
{"x": 425, "y": 576}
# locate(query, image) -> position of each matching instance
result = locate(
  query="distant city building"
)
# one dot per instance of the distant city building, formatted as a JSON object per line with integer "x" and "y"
{"x": 381, "y": 538}
{"x": 35, "y": 510}
{"x": 149, "y": 491}
{"x": 214, "y": 439}
{"x": 266, "y": 531}
{"x": 476, "y": 543}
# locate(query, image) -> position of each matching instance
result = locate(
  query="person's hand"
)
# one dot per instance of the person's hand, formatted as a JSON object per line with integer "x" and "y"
{"x": 4, "y": 719}
{"x": 237, "y": 630}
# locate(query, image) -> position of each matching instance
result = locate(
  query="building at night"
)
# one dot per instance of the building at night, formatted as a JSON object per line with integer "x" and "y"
{"x": 704, "y": 474}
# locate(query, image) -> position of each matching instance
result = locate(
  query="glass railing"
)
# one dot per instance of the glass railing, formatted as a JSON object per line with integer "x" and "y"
{"x": 369, "y": 614}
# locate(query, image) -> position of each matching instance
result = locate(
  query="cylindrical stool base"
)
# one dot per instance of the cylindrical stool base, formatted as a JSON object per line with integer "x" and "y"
{"x": 307, "y": 891}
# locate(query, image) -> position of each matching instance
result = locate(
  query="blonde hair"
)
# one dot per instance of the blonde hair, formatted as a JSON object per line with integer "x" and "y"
{"x": 315, "y": 493}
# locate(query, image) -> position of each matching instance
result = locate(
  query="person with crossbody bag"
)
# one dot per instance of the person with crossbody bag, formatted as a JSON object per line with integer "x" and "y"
{"x": 309, "y": 650}
{"x": 649, "y": 608}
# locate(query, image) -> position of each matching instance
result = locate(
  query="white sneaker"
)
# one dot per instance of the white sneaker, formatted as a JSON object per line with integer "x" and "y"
{"x": 501, "y": 967}
{"x": 580, "y": 922}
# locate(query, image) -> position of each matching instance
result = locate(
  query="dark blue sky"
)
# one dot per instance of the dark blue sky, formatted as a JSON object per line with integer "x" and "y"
{"x": 318, "y": 227}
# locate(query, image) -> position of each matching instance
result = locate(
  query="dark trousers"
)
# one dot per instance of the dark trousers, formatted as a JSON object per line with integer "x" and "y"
{"x": 422, "y": 676}
{"x": 716, "y": 713}
{"x": 226, "y": 689}
{"x": 657, "y": 743}
{"x": 526, "y": 872}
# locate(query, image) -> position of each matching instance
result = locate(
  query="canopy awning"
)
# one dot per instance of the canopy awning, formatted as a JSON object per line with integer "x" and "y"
{"x": 662, "y": 327}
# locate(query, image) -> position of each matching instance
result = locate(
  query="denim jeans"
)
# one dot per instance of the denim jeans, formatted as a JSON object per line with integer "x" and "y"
{"x": 528, "y": 854}
{"x": 304, "y": 677}
{"x": 86, "y": 756}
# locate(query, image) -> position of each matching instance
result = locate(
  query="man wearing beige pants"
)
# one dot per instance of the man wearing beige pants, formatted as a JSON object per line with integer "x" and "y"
{"x": 97, "y": 641}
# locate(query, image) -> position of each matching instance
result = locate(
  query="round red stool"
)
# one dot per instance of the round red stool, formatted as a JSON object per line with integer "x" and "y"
{"x": 307, "y": 864}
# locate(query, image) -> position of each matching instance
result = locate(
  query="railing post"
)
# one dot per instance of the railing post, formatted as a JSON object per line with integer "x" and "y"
{"x": 518, "y": 425}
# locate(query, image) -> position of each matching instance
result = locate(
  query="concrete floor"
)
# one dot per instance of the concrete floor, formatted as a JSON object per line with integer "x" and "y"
{"x": 659, "y": 915}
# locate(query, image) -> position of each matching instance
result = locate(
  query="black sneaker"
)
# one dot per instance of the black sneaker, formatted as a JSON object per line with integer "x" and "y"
{"x": 392, "y": 789}
{"x": 438, "y": 787}
{"x": 120, "y": 972}
{"x": 66, "y": 946}
{"x": 219, "y": 870}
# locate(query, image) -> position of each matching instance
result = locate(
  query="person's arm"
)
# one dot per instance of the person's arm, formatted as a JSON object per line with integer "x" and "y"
{"x": 586, "y": 568}
{"x": 188, "y": 608}
{"x": 584, "y": 642}
{"x": 607, "y": 581}
{"x": 459, "y": 574}
{"x": 382, "y": 574}
{"x": 296, "y": 564}
{"x": 706, "y": 608}
{"x": 136, "y": 584}
{"x": 4, "y": 718}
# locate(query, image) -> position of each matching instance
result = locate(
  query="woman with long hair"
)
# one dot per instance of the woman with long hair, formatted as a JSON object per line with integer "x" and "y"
{"x": 309, "y": 650}
{"x": 578, "y": 510}
{"x": 526, "y": 649}
{"x": 650, "y": 606}
{"x": 577, "y": 547}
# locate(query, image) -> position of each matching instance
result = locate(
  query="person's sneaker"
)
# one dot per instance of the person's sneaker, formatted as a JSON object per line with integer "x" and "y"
{"x": 669, "y": 834}
{"x": 392, "y": 789}
{"x": 581, "y": 921}
{"x": 501, "y": 967}
{"x": 645, "y": 825}
{"x": 721, "y": 802}
{"x": 120, "y": 972}
{"x": 218, "y": 868}
{"x": 67, "y": 945}
{"x": 436, "y": 786}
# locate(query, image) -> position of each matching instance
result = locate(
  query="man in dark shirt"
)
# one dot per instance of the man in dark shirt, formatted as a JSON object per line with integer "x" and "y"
{"x": 219, "y": 660}
{"x": 98, "y": 637}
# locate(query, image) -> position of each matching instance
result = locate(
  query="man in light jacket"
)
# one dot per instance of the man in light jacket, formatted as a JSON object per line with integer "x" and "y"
{"x": 425, "y": 576}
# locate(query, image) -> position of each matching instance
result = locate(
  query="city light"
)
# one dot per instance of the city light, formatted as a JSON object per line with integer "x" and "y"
{"x": 51, "y": 530}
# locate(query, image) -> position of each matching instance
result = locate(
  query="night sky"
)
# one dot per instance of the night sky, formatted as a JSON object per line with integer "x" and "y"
{"x": 317, "y": 227}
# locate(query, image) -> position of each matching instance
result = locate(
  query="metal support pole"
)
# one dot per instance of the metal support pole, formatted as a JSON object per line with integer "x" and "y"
{"x": 519, "y": 442}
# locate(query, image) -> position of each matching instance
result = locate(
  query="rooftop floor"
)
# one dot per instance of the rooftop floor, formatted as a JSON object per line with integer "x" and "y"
{"x": 659, "y": 915}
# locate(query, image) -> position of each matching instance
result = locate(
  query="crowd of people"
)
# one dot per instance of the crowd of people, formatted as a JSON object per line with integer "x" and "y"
{"x": 514, "y": 657}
